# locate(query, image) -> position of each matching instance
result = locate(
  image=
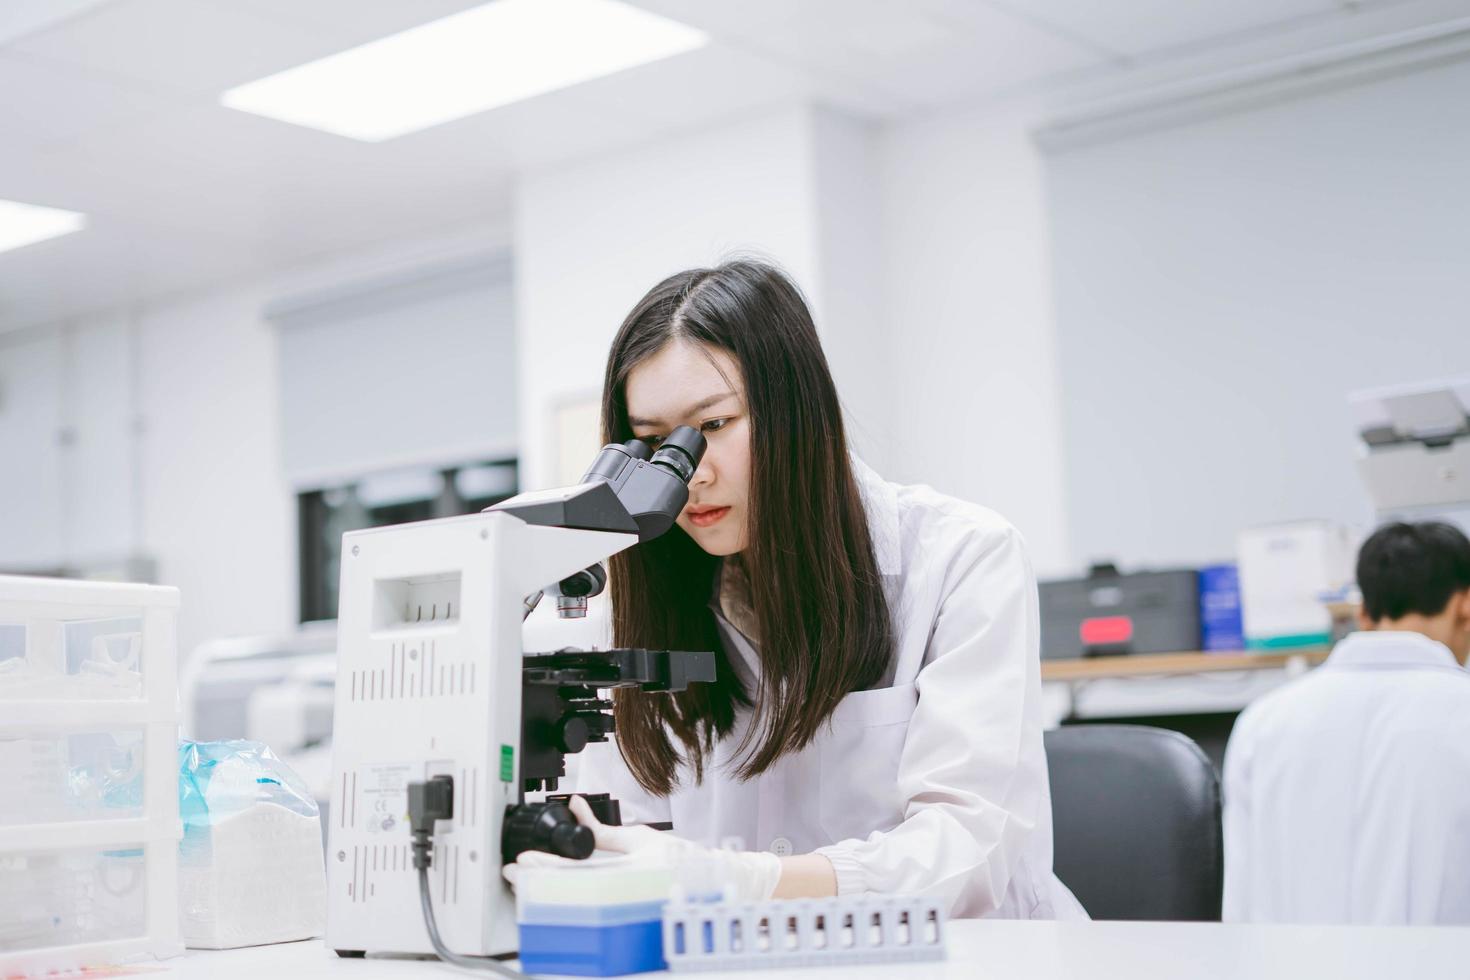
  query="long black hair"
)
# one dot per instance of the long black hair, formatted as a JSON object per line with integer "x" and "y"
{"x": 823, "y": 625}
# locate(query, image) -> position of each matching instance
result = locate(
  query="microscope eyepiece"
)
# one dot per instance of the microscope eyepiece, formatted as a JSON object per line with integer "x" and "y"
{"x": 680, "y": 452}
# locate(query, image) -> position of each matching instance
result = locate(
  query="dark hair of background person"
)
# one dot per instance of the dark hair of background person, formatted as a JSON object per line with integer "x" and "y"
{"x": 823, "y": 624}
{"x": 1412, "y": 568}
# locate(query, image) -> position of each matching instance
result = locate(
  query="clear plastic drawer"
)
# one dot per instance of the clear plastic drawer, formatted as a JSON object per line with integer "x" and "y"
{"x": 67, "y": 898}
{"x": 71, "y": 655}
{"x": 52, "y": 777}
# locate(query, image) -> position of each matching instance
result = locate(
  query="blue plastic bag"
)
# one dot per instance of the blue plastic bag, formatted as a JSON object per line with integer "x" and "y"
{"x": 248, "y": 773}
{"x": 250, "y": 862}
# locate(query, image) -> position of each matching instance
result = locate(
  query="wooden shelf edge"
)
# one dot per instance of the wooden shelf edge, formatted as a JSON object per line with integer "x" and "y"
{"x": 1163, "y": 664}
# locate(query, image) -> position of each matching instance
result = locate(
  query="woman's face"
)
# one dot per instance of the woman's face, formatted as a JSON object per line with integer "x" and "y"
{"x": 687, "y": 383}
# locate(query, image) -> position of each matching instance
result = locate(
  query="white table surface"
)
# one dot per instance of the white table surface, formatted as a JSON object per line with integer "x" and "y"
{"x": 999, "y": 950}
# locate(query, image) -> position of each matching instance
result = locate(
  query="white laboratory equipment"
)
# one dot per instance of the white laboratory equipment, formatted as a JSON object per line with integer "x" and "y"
{"x": 443, "y": 722}
{"x": 1286, "y": 571}
{"x": 1415, "y": 450}
{"x": 89, "y": 817}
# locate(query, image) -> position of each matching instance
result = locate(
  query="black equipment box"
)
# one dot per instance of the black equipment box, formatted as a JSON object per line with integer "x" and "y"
{"x": 1112, "y": 613}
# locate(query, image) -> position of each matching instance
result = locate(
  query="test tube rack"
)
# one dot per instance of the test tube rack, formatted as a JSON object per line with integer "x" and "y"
{"x": 705, "y": 936}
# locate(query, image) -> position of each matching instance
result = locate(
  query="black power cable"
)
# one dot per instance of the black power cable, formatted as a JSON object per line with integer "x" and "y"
{"x": 427, "y": 803}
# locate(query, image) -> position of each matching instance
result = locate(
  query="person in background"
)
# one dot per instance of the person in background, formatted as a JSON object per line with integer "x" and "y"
{"x": 1347, "y": 792}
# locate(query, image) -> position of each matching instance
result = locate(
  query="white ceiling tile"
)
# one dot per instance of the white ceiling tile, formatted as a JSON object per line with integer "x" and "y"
{"x": 987, "y": 52}
{"x": 844, "y": 29}
{"x": 19, "y": 18}
{"x": 1131, "y": 28}
{"x": 765, "y": 19}
{"x": 62, "y": 104}
{"x": 350, "y": 22}
{"x": 684, "y": 90}
{"x": 152, "y": 237}
{"x": 553, "y": 127}
{"x": 210, "y": 161}
{"x": 182, "y": 44}
{"x": 916, "y": 52}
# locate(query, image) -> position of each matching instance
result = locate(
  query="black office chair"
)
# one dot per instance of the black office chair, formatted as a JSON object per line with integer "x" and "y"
{"x": 1136, "y": 822}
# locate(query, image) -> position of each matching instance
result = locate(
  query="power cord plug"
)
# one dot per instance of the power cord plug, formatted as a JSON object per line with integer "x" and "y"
{"x": 428, "y": 803}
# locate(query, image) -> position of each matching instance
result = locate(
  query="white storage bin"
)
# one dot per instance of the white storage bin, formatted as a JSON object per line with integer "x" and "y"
{"x": 89, "y": 817}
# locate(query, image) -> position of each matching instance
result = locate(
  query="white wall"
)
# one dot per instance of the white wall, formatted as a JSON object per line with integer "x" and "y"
{"x": 418, "y": 370}
{"x": 157, "y": 432}
{"x": 1223, "y": 285}
{"x": 968, "y": 305}
{"x": 847, "y": 176}
{"x": 99, "y": 478}
{"x": 218, "y": 515}
{"x": 591, "y": 237}
{"x": 1174, "y": 364}
{"x": 67, "y": 421}
{"x": 31, "y": 427}
{"x": 153, "y": 433}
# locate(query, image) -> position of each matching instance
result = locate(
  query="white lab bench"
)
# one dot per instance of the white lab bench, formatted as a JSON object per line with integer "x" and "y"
{"x": 1002, "y": 950}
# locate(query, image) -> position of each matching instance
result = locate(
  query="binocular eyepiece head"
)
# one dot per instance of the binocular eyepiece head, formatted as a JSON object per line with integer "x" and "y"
{"x": 678, "y": 455}
{"x": 640, "y": 489}
{"x": 651, "y": 484}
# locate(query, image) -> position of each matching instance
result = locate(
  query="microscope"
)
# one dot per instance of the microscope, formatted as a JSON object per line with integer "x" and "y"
{"x": 443, "y": 723}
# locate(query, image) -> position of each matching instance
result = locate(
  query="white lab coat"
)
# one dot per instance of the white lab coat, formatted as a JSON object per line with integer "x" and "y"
{"x": 934, "y": 784}
{"x": 1347, "y": 792}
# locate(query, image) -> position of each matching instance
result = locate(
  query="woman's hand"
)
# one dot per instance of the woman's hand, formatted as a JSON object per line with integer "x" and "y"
{"x": 752, "y": 875}
{"x": 644, "y": 843}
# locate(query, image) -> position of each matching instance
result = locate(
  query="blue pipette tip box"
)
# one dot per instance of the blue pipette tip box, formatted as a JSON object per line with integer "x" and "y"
{"x": 593, "y": 951}
{"x": 597, "y": 919}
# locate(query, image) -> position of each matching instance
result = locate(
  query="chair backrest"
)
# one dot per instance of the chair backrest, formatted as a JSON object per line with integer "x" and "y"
{"x": 1136, "y": 822}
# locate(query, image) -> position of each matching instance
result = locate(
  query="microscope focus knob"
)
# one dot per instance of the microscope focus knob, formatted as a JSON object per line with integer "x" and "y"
{"x": 572, "y": 733}
{"x": 572, "y": 840}
{"x": 546, "y": 827}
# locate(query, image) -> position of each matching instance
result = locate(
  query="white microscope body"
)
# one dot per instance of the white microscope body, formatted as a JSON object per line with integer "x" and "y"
{"x": 429, "y": 683}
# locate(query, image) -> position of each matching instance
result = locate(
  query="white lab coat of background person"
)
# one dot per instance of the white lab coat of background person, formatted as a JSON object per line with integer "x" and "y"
{"x": 933, "y": 782}
{"x": 1347, "y": 792}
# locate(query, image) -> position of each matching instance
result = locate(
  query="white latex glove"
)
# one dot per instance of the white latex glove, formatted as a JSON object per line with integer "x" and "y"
{"x": 752, "y": 874}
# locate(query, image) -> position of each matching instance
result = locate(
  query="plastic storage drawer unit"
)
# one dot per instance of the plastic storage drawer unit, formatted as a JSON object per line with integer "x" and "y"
{"x": 89, "y": 820}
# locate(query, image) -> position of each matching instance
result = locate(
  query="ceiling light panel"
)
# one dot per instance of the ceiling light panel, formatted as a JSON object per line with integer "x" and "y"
{"x": 26, "y": 224}
{"x": 469, "y": 62}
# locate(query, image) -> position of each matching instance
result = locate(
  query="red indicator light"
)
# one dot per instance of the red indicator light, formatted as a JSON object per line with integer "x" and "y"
{"x": 1106, "y": 631}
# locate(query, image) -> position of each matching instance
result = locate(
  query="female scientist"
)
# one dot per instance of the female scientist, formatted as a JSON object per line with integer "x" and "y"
{"x": 875, "y": 724}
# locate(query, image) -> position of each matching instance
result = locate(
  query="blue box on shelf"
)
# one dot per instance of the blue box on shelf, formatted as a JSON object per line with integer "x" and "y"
{"x": 1219, "y": 609}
